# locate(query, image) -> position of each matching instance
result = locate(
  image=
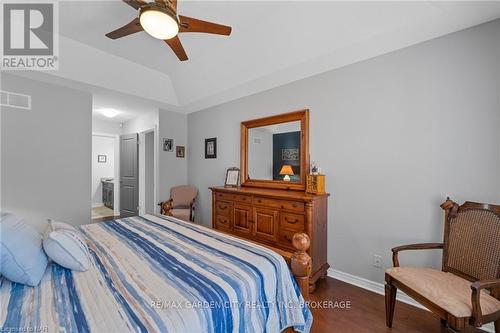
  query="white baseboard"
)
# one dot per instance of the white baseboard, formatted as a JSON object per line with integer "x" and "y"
{"x": 95, "y": 205}
{"x": 378, "y": 288}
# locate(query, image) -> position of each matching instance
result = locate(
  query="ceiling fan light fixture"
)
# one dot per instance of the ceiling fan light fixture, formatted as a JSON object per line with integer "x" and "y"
{"x": 159, "y": 22}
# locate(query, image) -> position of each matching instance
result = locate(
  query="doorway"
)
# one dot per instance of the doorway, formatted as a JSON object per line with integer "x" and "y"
{"x": 149, "y": 169}
{"x": 129, "y": 177}
{"x": 138, "y": 173}
{"x": 105, "y": 170}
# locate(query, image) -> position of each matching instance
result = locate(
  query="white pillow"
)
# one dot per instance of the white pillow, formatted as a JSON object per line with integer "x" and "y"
{"x": 65, "y": 245}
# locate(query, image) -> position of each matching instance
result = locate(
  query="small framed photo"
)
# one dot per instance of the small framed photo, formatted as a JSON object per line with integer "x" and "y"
{"x": 211, "y": 148}
{"x": 101, "y": 158}
{"x": 232, "y": 177}
{"x": 180, "y": 151}
{"x": 168, "y": 144}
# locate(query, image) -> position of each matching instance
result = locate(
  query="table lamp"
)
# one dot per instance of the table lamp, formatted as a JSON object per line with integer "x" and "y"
{"x": 287, "y": 171}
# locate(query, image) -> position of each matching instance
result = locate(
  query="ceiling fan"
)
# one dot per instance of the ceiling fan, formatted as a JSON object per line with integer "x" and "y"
{"x": 160, "y": 20}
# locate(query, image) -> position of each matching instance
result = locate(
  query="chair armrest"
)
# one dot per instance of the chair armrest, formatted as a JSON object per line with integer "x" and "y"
{"x": 421, "y": 246}
{"x": 477, "y": 315}
{"x": 166, "y": 206}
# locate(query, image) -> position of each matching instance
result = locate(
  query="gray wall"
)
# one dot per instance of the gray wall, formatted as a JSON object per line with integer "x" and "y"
{"x": 173, "y": 170}
{"x": 394, "y": 134}
{"x": 46, "y": 153}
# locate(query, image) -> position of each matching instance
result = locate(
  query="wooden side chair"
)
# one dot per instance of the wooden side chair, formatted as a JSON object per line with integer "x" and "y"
{"x": 181, "y": 203}
{"x": 467, "y": 289}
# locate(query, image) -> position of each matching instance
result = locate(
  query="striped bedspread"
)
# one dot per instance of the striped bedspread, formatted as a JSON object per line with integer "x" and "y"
{"x": 152, "y": 274}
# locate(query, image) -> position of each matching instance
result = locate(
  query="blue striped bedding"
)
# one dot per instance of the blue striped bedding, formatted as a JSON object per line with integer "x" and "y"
{"x": 152, "y": 274}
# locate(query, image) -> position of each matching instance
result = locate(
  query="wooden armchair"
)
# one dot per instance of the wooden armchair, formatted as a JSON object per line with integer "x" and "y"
{"x": 458, "y": 293}
{"x": 181, "y": 203}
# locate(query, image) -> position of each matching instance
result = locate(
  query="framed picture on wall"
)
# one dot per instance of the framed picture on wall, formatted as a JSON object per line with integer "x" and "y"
{"x": 180, "y": 151}
{"x": 168, "y": 144}
{"x": 101, "y": 158}
{"x": 290, "y": 154}
{"x": 211, "y": 148}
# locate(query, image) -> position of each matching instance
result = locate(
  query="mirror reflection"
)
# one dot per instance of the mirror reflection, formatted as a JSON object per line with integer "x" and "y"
{"x": 274, "y": 152}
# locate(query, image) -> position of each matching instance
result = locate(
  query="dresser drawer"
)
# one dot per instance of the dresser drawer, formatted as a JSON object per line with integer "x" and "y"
{"x": 223, "y": 222}
{"x": 281, "y": 204}
{"x": 234, "y": 197}
{"x": 293, "y": 205}
{"x": 242, "y": 198}
{"x": 224, "y": 196}
{"x": 292, "y": 221}
{"x": 285, "y": 238}
{"x": 261, "y": 201}
{"x": 223, "y": 208}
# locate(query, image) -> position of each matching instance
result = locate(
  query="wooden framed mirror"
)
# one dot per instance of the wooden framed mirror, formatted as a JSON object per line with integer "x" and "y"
{"x": 274, "y": 151}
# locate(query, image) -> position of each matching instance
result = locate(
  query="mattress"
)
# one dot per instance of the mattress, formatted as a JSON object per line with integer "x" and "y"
{"x": 160, "y": 274}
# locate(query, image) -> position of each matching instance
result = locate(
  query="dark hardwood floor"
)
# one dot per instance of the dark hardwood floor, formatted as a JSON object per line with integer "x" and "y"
{"x": 104, "y": 219}
{"x": 367, "y": 313}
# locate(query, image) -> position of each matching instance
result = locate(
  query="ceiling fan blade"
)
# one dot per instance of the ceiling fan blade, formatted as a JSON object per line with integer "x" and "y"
{"x": 136, "y": 4}
{"x": 127, "y": 29}
{"x": 176, "y": 46}
{"x": 174, "y": 4}
{"x": 189, "y": 24}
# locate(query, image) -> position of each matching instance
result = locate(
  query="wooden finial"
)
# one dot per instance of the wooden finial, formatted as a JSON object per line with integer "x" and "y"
{"x": 301, "y": 241}
{"x": 451, "y": 207}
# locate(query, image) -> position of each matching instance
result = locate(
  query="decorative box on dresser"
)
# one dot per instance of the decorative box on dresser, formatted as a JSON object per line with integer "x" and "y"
{"x": 272, "y": 216}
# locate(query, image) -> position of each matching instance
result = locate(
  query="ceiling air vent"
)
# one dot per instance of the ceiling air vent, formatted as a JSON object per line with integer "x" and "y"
{"x": 15, "y": 100}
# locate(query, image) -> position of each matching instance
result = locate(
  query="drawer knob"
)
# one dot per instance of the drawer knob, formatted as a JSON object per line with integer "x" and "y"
{"x": 222, "y": 208}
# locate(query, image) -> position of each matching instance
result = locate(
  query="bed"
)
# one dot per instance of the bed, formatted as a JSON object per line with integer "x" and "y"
{"x": 160, "y": 274}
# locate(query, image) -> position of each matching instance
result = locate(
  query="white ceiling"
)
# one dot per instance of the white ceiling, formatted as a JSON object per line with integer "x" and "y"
{"x": 127, "y": 107}
{"x": 272, "y": 42}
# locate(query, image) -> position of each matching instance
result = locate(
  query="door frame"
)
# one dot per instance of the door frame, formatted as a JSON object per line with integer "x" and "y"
{"x": 142, "y": 170}
{"x": 116, "y": 187}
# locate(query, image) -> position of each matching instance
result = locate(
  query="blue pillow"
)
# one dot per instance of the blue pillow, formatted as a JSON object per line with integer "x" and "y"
{"x": 22, "y": 259}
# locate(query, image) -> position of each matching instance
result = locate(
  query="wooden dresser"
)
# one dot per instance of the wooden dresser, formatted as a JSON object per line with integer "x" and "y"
{"x": 272, "y": 217}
